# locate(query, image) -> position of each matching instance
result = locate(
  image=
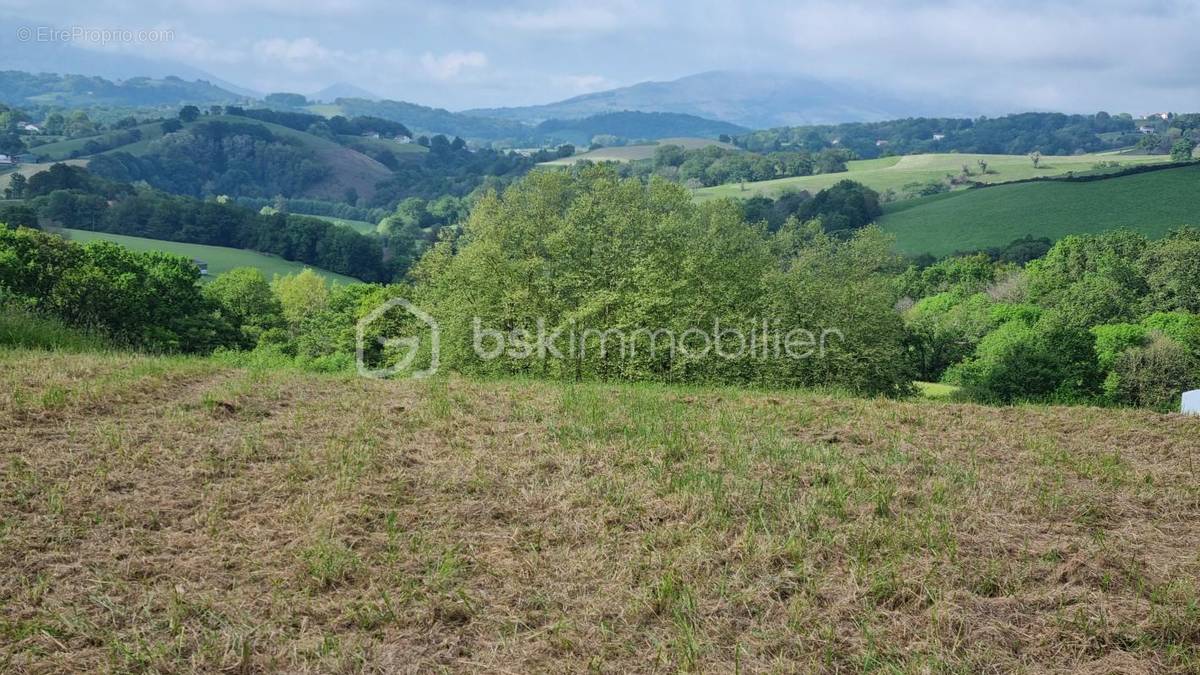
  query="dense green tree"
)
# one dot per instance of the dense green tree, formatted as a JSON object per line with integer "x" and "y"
{"x": 246, "y": 302}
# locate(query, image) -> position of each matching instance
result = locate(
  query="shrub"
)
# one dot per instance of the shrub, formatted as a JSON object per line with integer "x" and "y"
{"x": 1154, "y": 375}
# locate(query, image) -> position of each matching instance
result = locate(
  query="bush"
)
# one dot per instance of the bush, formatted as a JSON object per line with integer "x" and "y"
{"x": 1154, "y": 375}
{"x": 1049, "y": 360}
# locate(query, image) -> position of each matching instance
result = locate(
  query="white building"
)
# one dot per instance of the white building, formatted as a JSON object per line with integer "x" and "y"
{"x": 6, "y": 160}
{"x": 32, "y": 128}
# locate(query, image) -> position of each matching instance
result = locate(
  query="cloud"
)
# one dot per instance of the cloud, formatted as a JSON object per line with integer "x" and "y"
{"x": 449, "y": 65}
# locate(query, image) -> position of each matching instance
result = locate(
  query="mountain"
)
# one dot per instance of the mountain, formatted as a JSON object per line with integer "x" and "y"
{"x": 342, "y": 90}
{"x": 634, "y": 125}
{"x": 426, "y": 120}
{"x": 36, "y": 56}
{"x": 21, "y": 88}
{"x": 750, "y": 99}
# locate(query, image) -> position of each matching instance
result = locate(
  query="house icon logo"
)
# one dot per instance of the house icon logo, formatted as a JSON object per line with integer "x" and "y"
{"x": 393, "y": 346}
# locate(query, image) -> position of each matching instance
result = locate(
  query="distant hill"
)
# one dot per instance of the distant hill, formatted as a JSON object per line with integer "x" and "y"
{"x": 755, "y": 100}
{"x": 342, "y": 90}
{"x": 23, "y": 89}
{"x": 630, "y": 153}
{"x": 635, "y": 125}
{"x": 426, "y": 120}
{"x": 53, "y": 56}
{"x": 1151, "y": 203}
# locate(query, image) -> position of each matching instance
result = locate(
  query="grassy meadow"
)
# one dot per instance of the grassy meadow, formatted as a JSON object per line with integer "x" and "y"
{"x": 894, "y": 173}
{"x": 219, "y": 258}
{"x": 177, "y": 514}
{"x": 1151, "y": 203}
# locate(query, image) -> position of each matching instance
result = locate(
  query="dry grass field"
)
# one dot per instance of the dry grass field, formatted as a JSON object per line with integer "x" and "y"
{"x": 178, "y": 515}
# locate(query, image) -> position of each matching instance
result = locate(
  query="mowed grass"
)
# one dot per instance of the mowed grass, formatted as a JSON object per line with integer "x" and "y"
{"x": 168, "y": 514}
{"x": 219, "y": 258}
{"x": 894, "y": 173}
{"x": 628, "y": 153}
{"x": 1151, "y": 203}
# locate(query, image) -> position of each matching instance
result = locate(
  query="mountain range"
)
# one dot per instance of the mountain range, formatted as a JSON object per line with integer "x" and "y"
{"x": 749, "y": 99}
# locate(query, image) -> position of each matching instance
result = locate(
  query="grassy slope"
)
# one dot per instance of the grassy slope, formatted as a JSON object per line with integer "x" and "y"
{"x": 350, "y": 168}
{"x": 1151, "y": 203}
{"x": 894, "y": 173}
{"x": 28, "y": 170}
{"x": 219, "y": 258}
{"x": 168, "y": 515}
{"x": 631, "y": 152}
{"x": 358, "y": 225}
{"x": 63, "y": 149}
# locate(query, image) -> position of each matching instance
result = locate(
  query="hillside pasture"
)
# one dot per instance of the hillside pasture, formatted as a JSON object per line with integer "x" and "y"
{"x": 628, "y": 153}
{"x": 219, "y": 258}
{"x": 170, "y": 515}
{"x": 894, "y": 173}
{"x": 1151, "y": 203}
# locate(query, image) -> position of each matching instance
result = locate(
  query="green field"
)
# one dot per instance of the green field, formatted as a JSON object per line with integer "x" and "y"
{"x": 893, "y": 173}
{"x": 219, "y": 258}
{"x": 63, "y": 149}
{"x": 361, "y": 226}
{"x": 1151, "y": 203}
{"x": 629, "y": 153}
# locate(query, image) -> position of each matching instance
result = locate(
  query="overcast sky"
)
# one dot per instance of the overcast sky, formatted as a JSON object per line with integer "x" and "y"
{"x": 1008, "y": 56}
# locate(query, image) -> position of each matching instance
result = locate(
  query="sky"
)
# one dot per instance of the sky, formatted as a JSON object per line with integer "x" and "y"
{"x": 1074, "y": 56}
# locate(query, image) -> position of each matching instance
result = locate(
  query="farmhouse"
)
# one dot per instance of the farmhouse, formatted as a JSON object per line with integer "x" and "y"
{"x": 32, "y": 128}
{"x": 6, "y": 160}
{"x": 1146, "y": 129}
{"x": 880, "y": 143}
{"x": 938, "y": 137}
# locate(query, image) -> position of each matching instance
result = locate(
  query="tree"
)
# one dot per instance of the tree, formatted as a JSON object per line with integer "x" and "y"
{"x": 245, "y": 300}
{"x": 16, "y": 187}
{"x": 300, "y": 296}
{"x": 1182, "y": 150}
{"x": 189, "y": 113}
{"x": 843, "y": 207}
{"x": 1036, "y": 158}
{"x": 171, "y": 126}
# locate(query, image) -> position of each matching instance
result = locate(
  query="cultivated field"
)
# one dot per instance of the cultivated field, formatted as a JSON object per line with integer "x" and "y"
{"x": 167, "y": 515}
{"x": 628, "y": 153}
{"x": 894, "y": 173}
{"x": 1151, "y": 203}
{"x": 219, "y": 258}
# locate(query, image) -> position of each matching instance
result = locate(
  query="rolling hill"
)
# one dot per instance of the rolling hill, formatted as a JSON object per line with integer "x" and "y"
{"x": 21, "y": 88}
{"x": 219, "y": 258}
{"x": 628, "y": 153}
{"x": 349, "y": 168}
{"x": 750, "y": 99}
{"x": 633, "y": 125}
{"x": 894, "y": 173}
{"x": 1151, "y": 203}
